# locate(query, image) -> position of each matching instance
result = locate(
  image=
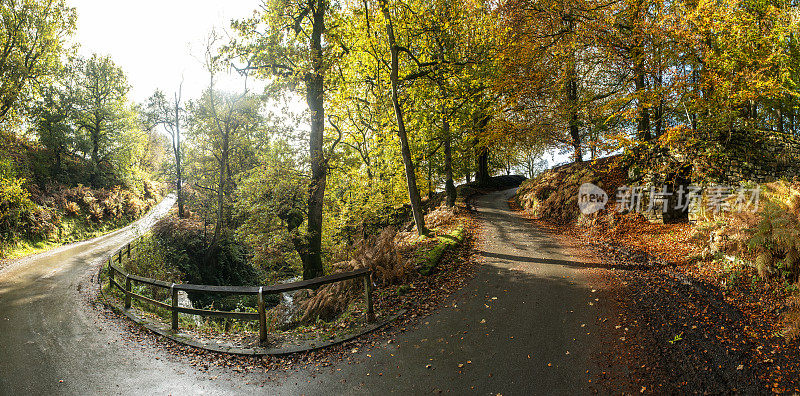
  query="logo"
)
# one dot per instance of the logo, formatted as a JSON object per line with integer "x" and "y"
{"x": 692, "y": 198}
{"x": 591, "y": 198}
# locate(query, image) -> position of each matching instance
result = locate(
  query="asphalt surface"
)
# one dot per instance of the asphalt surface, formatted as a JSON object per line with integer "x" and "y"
{"x": 524, "y": 325}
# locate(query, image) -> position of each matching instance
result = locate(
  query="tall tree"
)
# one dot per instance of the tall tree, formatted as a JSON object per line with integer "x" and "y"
{"x": 294, "y": 42}
{"x": 394, "y": 78}
{"x": 102, "y": 111}
{"x": 33, "y": 39}
{"x": 160, "y": 111}
{"x": 52, "y": 115}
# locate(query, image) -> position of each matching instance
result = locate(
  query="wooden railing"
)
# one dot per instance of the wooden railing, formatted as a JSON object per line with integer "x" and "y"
{"x": 115, "y": 268}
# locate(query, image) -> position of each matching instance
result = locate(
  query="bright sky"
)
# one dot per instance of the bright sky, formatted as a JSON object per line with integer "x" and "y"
{"x": 157, "y": 42}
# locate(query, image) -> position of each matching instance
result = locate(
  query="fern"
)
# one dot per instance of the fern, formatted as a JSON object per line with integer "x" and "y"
{"x": 775, "y": 240}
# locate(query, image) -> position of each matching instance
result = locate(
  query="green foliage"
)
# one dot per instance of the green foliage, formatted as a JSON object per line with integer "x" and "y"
{"x": 271, "y": 200}
{"x": 104, "y": 119}
{"x": 226, "y": 129}
{"x": 33, "y": 36}
{"x": 184, "y": 249}
{"x": 16, "y": 209}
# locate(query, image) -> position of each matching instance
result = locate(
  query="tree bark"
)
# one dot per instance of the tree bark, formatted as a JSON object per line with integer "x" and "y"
{"x": 430, "y": 179}
{"x": 658, "y": 114}
{"x": 312, "y": 264}
{"x": 482, "y": 173}
{"x": 642, "y": 113}
{"x": 222, "y": 161}
{"x": 449, "y": 186}
{"x": 572, "y": 100}
{"x": 411, "y": 178}
{"x": 177, "y": 150}
{"x": 95, "y": 155}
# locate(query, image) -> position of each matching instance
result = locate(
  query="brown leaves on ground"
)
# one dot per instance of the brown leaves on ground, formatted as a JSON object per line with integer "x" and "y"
{"x": 672, "y": 243}
{"x": 690, "y": 326}
{"x": 423, "y": 295}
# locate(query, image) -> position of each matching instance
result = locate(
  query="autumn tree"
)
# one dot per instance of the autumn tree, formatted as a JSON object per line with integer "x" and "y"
{"x": 33, "y": 40}
{"x": 222, "y": 125}
{"x": 168, "y": 113}
{"x": 296, "y": 43}
{"x": 542, "y": 45}
{"x": 102, "y": 112}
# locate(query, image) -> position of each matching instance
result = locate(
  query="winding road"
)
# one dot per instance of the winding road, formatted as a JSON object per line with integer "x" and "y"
{"x": 524, "y": 325}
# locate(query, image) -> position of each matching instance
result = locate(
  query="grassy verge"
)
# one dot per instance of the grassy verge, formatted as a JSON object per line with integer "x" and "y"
{"x": 72, "y": 230}
{"x": 428, "y": 257}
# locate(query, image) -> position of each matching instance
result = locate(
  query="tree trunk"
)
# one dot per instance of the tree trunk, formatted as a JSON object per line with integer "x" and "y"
{"x": 312, "y": 265}
{"x": 449, "y": 186}
{"x": 430, "y": 179}
{"x": 642, "y": 113}
{"x": 95, "y": 156}
{"x": 572, "y": 99}
{"x": 221, "y": 186}
{"x": 695, "y": 79}
{"x": 482, "y": 174}
{"x": 659, "y": 110}
{"x": 177, "y": 150}
{"x": 411, "y": 178}
{"x": 57, "y": 165}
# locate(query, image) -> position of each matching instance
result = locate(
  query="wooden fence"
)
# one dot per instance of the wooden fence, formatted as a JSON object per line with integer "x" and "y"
{"x": 115, "y": 268}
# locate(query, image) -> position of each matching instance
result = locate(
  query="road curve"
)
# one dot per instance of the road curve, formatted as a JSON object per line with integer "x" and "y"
{"x": 52, "y": 341}
{"x": 524, "y": 325}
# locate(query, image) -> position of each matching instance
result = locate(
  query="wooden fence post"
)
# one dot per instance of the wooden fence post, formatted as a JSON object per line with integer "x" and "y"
{"x": 127, "y": 292}
{"x": 174, "y": 308}
{"x": 119, "y": 257}
{"x": 129, "y": 252}
{"x": 262, "y": 317}
{"x": 368, "y": 297}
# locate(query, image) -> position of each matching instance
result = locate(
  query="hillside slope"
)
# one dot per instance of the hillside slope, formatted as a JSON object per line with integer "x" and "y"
{"x": 42, "y": 207}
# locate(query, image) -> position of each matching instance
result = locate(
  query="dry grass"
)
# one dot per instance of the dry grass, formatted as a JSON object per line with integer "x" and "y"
{"x": 390, "y": 256}
{"x": 554, "y": 194}
{"x": 442, "y": 217}
{"x": 381, "y": 254}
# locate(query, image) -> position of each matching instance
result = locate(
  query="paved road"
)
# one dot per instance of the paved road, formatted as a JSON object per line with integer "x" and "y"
{"x": 48, "y": 334}
{"x": 524, "y": 325}
{"x": 531, "y": 339}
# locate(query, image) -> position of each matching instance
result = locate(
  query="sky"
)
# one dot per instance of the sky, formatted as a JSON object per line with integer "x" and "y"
{"x": 158, "y": 42}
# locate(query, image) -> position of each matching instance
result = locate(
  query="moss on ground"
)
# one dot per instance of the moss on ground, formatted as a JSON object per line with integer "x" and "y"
{"x": 429, "y": 258}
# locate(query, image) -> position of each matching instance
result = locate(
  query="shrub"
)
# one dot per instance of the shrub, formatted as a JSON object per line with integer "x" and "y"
{"x": 381, "y": 254}
{"x": 72, "y": 208}
{"x": 17, "y": 212}
{"x": 184, "y": 246}
{"x": 771, "y": 238}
